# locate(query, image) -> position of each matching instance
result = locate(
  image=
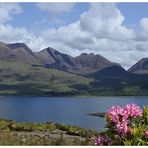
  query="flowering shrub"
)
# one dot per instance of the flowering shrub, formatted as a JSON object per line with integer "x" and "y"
{"x": 125, "y": 126}
{"x": 146, "y": 133}
{"x": 103, "y": 140}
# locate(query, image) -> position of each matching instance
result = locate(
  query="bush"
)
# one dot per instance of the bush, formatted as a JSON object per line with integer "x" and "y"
{"x": 125, "y": 126}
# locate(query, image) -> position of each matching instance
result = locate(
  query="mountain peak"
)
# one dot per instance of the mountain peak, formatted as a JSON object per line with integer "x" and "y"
{"x": 17, "y": 45}
{"x": 87, "y": 54}
{"x": 2, "y": 43}
{"x": 93, "y": 62}
{"x": 17, "y": 52}
{"x": 50, "y": 49}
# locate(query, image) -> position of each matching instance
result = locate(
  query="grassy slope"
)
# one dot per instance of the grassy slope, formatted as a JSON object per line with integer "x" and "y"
{"x": 23, "y": 79}
{"x": 14, "y": 133}
{"x": 18, "y": 78}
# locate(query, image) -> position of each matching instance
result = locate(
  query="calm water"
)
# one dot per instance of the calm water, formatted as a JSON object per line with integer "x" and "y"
{"x": 70, "y": 110}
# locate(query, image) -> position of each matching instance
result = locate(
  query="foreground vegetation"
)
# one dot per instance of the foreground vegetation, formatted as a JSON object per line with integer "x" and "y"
{"x": 125, "y": 126}
{"x": 14, "y": 133}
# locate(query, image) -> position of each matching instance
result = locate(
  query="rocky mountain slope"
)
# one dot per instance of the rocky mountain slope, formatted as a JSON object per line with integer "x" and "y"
{"x": 17, "y": 52}
{"x": 141, "y": 67}
{"x": 51, "y": 58}
{"x": 82, "y": 64}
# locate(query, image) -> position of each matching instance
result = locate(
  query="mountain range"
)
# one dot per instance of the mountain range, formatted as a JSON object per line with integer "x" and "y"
{"x": 49, "y": 57}
{"x": 49, "y": 72}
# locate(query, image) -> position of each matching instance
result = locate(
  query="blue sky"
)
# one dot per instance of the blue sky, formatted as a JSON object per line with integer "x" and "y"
{"x": 31, "y": 14}
{"x": 133, "y": 12}
{"x": 117, "y": 31}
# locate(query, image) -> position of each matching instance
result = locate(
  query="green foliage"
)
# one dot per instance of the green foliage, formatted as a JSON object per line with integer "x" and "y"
{"x": 137, "y": 135}
{"x": 15, "y": 133}
{"x": 24, "y": 79}
{"x": 14, "y": 77}
{"x": 77, "y": 131}
{"x": 145, "y": 116}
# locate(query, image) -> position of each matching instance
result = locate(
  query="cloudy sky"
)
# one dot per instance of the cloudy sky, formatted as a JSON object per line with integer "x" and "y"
{"x": 117, "y": 31}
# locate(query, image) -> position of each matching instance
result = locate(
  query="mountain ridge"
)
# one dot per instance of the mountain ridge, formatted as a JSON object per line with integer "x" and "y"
{"x": 51, "y": 58}
{"x": 141, "y": 67}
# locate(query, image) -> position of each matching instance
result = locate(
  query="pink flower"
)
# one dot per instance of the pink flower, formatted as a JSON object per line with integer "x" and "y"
{"x": 146, "y": 133}
{"x": 99, "y": 141}
{"x": 103, "y": 140}
{"x": 120, "y": 116}
{"x": 117, "y": 114}
{"x": 123, "y": 128}
{"x": 133, "y": 110}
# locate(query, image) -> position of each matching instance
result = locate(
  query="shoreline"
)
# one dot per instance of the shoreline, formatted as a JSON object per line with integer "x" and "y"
{"x": 47, "y": 133}
{"x": 76, "y": 96}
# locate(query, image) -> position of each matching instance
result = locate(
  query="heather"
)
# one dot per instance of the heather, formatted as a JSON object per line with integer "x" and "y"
{"x": 126, "y": 125}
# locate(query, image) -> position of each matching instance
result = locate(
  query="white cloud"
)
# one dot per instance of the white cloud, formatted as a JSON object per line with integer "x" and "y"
{"x": 7, "y": 10}
{"x": 69, "y": 39}
{"x": 10, "y": 34}
{"x": 104, "y": 20}
{"x": 144, "y": 24}
{"x": 143, "y": 34}
{"x": 56, "y": 8}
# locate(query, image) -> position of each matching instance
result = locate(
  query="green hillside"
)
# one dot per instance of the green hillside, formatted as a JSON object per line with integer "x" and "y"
{"x": 23, "y": 79}
{"x": 20, "y": 78}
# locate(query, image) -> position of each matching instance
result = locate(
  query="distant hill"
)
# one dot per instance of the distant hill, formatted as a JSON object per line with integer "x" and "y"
{"x": 111, "y": 72}
{"x": 141, "y": 67}
{"x": 21, "y": 78}
{"x": 117, "y": 81}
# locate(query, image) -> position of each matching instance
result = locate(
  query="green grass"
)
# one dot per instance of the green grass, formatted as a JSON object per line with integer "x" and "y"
{"x": 15, "y": 76}
{"x": 14, "y": 133}
{"x": 23, "y": 79}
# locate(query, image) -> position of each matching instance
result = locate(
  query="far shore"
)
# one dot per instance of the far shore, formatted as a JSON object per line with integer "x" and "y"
{"x": 77, "y": 96}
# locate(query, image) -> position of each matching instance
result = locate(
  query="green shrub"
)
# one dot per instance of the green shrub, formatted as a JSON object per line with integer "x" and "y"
{"x": 125, "y": 126}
